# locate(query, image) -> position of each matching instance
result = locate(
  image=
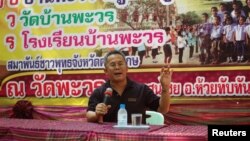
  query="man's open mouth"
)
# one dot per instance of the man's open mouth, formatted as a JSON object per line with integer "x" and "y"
{"x": 118, "y": 73}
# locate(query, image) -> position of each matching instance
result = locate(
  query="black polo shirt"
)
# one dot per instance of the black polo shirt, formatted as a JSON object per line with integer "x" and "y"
{"x": 137, "y": 98}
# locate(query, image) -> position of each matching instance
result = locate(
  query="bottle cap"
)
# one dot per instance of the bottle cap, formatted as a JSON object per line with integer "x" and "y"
{"x": 122, "y": 106}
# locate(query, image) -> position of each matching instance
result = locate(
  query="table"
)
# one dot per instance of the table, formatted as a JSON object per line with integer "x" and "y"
{"x": 39, "y": 130}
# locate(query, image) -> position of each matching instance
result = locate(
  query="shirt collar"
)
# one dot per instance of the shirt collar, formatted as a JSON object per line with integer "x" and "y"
{"x": 129, "y": 83}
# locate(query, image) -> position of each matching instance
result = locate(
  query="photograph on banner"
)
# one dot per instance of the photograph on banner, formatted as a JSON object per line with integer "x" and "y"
{"x": 52, "y": 54}
{"x": 152, "y": 33}
{"x": 198, "y": 33}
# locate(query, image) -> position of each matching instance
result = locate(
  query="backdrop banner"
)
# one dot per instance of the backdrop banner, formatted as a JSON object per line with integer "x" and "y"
{"x": 52, "y": 54}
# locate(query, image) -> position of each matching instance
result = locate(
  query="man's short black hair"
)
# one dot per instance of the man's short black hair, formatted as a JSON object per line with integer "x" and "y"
{"x": 218, "y": 17}
{"x": 223, "y": 4}
{"x": 167, "y": 28}
{"x": 112, "y": 53}
{"x": 243, "y": 17}
{"x": 229, "y": 19}
{"x": 214, "y": 8}
{"x": 205, "y": 14}
{"x": 226, "y": 12}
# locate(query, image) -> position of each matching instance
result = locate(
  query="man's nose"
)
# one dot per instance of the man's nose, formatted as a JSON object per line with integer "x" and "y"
{"x": 117, "y": 66}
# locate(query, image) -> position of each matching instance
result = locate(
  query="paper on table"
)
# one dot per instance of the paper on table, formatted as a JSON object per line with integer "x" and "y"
{"x": 132, "y": 127}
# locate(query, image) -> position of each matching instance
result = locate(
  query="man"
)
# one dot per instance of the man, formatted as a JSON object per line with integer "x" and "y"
{"x": 222, "y": 9}
{"x": 204, "y": 33}
{"x": 137, "y": 97}
{"x": 240, "y": 36}
{"x": 247, "y": 29}
{"x": 216, "y": 37}
{"x": 167, "y": 47}
{"x": 228, "y": 32}
{"x": 214, "y": 14}
{"x": 237, "y": 11}
{"x": 246, "y": 8}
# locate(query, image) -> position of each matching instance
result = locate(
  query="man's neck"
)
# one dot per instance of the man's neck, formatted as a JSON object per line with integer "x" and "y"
{"x": 216, "y": 25}
{"x": 119, "y": 86}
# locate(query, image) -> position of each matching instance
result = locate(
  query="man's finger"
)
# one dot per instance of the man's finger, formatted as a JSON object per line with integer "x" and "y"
{"x": 161, "y": 72}
{"x": 166, "y": 71}
{"x": 101, "y": 104}
{"x": 171, "y": 72}
{"x": 109, "y": 106}
{"x": 99, "y": 112}
{"x": 162, "y": 69}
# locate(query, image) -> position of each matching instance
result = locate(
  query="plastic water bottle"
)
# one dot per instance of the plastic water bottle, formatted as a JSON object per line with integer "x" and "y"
{"x": 122, "y": 116}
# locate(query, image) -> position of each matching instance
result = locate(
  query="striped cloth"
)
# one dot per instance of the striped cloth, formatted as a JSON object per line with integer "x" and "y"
{"x": 51, "y": 130}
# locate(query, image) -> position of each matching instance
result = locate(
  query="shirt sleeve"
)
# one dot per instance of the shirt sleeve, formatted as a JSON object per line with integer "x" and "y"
{"x": 152, "y": 100}
{"x": 246, "y": 29}
{"x": 235, "y": 27}
{"x": 224, "y": 30}
{"x": 94, "y": 99}
{"x": 178, "y": 41}
{"x": 221, "y": 30}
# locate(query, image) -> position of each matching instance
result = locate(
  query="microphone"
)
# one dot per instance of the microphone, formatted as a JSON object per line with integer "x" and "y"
{"x": 107, "y": 95}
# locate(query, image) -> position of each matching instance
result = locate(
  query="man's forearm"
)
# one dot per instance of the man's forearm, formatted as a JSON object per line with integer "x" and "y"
{"x": 92, "y": 116}
{"x": 164, "y": 101}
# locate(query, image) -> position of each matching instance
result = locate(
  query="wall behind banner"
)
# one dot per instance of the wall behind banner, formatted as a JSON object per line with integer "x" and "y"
{"x": 52, "y": 55}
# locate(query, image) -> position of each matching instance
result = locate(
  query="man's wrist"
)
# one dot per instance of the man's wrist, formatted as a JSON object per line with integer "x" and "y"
{"x": 164, "y": 90}
{"x": 97, "y": 115}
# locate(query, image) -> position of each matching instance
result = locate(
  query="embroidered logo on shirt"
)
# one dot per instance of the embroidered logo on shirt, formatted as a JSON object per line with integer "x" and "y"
{"x": 131, "y": 99}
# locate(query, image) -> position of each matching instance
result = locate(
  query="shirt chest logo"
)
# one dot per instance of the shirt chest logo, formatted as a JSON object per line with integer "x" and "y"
{"x": 131, "y": 99}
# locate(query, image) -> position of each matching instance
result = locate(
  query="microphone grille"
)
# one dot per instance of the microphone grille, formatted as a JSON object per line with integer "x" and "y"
{"x": 108, "y": 91}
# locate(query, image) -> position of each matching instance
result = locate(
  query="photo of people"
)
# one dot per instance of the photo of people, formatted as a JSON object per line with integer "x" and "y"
{"x": 215, "y": 33}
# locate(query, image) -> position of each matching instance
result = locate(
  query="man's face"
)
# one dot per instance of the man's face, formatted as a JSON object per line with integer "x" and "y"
{"x": 237, "y": 13}
{"x": 228, "y": 22}
{"x": 241, "y": 21}
{"x": 214, "y": 12}
{"x": 216, "y": 21}
{"x": 222, "y": 8}
{"x": 226, "y": 16}
{"x": 235, "y": 7}
{"x": 204, "y": 18}
{"x": 116, "y": 68}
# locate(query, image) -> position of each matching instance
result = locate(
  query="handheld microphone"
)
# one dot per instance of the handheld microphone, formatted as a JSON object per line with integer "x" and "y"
{"x": 107, "y": 94}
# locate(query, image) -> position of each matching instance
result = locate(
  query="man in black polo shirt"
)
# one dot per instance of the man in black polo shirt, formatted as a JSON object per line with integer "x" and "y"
{"x": 137, "y": 97}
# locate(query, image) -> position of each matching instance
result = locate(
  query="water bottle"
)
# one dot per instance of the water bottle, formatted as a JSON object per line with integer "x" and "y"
{"x": 122, "y": 116}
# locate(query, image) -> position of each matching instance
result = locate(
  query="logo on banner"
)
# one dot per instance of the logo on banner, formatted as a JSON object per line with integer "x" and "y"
{"x": 167, "y": 2}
